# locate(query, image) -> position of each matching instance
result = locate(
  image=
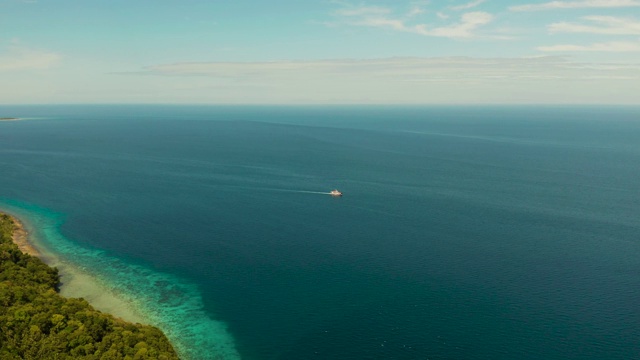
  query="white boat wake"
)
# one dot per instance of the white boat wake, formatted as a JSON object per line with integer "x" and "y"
{"x": 333, "y": 193}
{"x": 312, "y": 192}
{"x": 301, "y": 191}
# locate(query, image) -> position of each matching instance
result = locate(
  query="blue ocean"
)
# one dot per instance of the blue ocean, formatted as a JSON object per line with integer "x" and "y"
{"x": 484, "y": 232}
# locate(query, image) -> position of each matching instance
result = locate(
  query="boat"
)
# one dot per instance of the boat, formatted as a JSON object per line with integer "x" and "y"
{"x": 335, "y": 192}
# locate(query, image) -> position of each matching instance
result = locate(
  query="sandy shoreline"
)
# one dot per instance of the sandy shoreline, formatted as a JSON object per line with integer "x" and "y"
{"x": 133, "y": 302}
{"x": 21, "y": 238}
{"x": 75, "y": 282}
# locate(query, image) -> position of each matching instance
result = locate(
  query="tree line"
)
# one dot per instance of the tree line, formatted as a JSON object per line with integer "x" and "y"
{"x": 37, "y": 323}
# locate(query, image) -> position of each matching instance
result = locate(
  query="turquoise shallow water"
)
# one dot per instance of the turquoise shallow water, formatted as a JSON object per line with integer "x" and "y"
{"x": 167, "y": 301}
{"x": 464, "y": 233}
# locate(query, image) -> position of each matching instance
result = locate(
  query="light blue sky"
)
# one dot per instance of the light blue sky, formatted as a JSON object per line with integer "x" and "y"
{"x": 317, "y": 52}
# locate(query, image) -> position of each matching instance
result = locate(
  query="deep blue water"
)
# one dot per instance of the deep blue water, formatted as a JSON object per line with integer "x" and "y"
{"x": 464, "y": 233}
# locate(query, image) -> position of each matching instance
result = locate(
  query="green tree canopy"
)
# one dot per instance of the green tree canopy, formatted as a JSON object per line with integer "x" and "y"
{"x": 37, "y": 323}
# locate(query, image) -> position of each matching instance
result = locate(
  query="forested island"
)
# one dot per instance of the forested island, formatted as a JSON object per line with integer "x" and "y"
{"x": 37, "y": 323}
{"x": 8, "y": 118}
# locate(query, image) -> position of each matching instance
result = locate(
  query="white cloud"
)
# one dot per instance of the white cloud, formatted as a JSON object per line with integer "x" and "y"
{"x": 395, "y": 24}
{"x": 415, "y": 10}
{"x": 383, "y": 18}
{"x": 614, "y": 46}
{"x": 576, "y": 5}
{"x": 398, "y": 69}
{"x": 467, "y": 5}
{"x": 443, "y": 80}
{"x": 607, "y": 25}
{"x": 17, "y": 57}
{"x": 464, "y": 28}
{"x": 363, "y": 11}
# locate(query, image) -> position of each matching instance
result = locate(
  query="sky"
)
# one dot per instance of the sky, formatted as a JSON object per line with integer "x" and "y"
{"x": 320, "y": 52}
